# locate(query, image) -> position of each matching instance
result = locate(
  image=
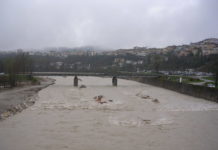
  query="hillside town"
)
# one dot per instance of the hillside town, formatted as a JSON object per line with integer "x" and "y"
{"x": 199, "y": 56}
{"x": 205, "y": 47}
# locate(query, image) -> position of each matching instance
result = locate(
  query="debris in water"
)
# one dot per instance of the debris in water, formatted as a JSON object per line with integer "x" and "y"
{"x": 82, "y": 86}
{"x": 102, "y": 102}
{"x": 145, "y": 97}
{"x": 147, "y": 121}
{"x": 99, "y": 98}
{"x": 155, "y": 101}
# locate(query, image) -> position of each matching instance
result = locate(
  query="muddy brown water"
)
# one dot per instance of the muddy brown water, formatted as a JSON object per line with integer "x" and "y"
{"x": 68, "y": 118}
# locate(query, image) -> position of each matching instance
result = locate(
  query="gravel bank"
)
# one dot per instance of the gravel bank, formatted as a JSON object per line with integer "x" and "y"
{"x": 16, "y": 99}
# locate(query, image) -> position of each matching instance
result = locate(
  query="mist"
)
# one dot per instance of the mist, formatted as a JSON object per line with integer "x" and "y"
{"x": 108, "y": 24}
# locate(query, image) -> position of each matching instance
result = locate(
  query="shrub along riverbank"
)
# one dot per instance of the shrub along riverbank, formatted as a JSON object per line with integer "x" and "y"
{"x": 9, "y": 81}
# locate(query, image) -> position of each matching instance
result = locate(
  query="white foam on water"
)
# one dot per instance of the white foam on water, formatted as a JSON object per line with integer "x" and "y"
{"x": 206, "y": 106}
{"x": 162, "y": 121}
{"x": 127, "y": 122}
{"x": 83, "y": 104}
{"x": 139, "y": 122}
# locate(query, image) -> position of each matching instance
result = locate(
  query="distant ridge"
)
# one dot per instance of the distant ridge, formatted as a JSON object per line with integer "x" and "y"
{"x": 207, "y": 47}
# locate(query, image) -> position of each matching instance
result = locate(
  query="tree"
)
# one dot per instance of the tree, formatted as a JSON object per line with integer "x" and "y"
{"x": 156, "y": 61}
{"x": 10, "y": 66}
{"x": 16, "y": 64}
{"x": 216, "y": 80}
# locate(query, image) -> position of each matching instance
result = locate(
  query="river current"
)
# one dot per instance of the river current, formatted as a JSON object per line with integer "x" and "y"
{"x": 130, "y": 116}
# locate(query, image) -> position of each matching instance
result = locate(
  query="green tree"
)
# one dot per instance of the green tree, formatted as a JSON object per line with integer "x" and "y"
{"x": 216, "y": 80}
{"x": 10, "y": 66}
{"x": 156, "y": 61}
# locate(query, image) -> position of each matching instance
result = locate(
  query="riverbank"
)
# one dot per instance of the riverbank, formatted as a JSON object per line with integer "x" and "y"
{"x": 16, "y": 99}
{"x": 207, "y": 93}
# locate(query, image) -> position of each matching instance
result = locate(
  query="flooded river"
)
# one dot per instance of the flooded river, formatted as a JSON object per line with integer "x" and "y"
{"x": 131, "y": 116}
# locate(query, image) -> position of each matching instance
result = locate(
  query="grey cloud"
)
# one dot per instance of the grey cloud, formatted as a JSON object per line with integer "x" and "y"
{"x": 105, "y": 23}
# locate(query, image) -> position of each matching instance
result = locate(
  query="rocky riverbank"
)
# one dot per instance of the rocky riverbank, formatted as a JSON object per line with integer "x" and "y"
{"x": 15, "y": 100}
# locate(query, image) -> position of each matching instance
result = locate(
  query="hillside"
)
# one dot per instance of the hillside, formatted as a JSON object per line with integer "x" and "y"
{"x": 205, "y": 47}
{"x": 202, "y": 56}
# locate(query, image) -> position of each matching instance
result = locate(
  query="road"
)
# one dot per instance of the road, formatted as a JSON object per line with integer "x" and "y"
{"x": 134, "y": 116}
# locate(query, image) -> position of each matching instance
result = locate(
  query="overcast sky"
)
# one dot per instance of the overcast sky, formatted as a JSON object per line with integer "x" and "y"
{"x": 105, "y": 23}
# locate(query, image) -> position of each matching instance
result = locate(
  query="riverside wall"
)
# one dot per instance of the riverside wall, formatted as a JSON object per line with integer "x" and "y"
{"x": 207, "y": 93}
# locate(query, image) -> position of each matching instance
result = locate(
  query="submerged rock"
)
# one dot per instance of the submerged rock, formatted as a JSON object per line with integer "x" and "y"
{"x": 145, "y": 97}
{"x": 147, "y": 121}
{"x": 82, "y": 86}
{"x": 155, "y": 101}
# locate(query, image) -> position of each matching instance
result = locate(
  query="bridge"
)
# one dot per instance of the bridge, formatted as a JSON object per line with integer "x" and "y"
{"x": 121, "y": 75}
{"x": 67, "y": 74}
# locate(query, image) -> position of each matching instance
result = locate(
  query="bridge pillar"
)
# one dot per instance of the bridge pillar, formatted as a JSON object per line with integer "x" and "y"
{"x": 75, "y": 81}
{"x": 114, "y": 81}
